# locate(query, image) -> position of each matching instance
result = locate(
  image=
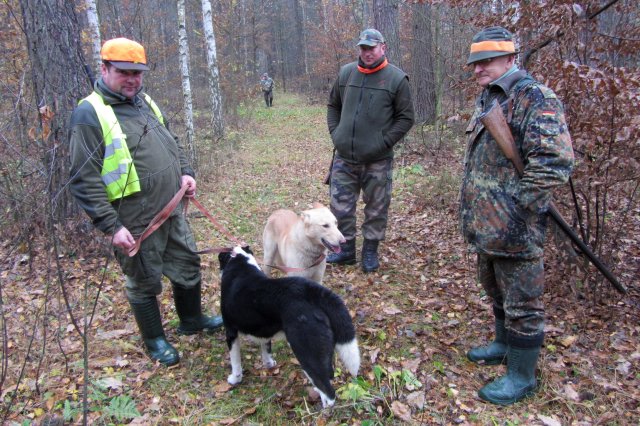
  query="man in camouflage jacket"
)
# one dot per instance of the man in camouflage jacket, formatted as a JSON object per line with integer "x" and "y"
{"x": 503, "y": 217}
{"x": 266, "y": 84}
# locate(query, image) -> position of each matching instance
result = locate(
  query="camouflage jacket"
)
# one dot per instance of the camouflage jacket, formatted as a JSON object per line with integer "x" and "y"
{"x": 266, "y": 84}
{"x": 500, "y": 213}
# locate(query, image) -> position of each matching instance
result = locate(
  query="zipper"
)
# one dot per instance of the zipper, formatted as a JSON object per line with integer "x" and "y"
{"x": 355, "y": 117}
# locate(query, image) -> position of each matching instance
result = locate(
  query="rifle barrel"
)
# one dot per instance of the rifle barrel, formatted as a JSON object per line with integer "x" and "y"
{"x": 558, "y": 219}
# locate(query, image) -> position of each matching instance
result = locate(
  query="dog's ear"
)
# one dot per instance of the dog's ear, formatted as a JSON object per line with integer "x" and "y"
{"x": 304, "y": 216}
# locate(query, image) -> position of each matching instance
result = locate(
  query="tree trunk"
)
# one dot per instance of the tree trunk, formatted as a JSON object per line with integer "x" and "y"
{"x": 58, "y": 78}
{"x": 94, "y": 31}
{"x": 423, "y": 84}
{"x": 214, "y": 74}
{"x": 385, "y": 16}
{"x": 183, "y": 52}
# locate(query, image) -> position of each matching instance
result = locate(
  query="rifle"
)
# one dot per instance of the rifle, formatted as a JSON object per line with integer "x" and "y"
{"x": 89, "y": 72}
{"x": 494, "y": 121}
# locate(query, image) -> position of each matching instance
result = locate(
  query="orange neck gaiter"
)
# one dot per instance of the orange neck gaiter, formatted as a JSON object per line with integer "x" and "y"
{"x": 372, "y": 70}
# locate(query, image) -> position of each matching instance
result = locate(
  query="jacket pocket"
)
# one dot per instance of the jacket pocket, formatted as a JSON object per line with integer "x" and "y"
{"x": 340, "y": 141}
{"x": 374, "y": 148}
{"x": 508, "y": 230}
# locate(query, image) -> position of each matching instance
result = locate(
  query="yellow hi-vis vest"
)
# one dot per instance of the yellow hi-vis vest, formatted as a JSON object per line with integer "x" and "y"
{"x": 118, "y": 172}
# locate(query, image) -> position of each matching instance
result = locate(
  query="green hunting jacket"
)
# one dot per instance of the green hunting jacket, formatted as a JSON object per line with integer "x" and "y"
{"x": 157, "y": 156}
{"x": 500, "y": 213}
{"x": 368, "y": 114}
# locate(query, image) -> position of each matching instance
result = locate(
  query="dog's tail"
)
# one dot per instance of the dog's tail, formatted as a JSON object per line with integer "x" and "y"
{"x": 350, "y": 356}
{"x": 343, "y": 330}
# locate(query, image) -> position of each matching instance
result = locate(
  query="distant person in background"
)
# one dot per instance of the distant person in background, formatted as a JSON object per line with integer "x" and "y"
{"x": 503, "y": 217}
{"x": 125, "y": 167}
{"x": 369, "y": 111}
{"x": 266, "y": 84}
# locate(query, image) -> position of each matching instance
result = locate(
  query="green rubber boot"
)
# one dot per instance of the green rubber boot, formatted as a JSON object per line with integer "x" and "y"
{"x": 188, "y": 303}
{"x": 520, "y": 380}
{"x": 147, "y": 315}
{"x": 495, "y": 352}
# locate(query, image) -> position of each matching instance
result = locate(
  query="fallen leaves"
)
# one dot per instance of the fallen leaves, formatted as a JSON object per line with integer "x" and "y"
{"x": 401, "y": 411}
{"x": 568, "y": 341}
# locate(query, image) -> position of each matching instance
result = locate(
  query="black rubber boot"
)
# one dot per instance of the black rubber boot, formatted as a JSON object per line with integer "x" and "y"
{"x": 495, "y": 352}
{"x": 370, "y": 261}
{"x": 147, "y": 315}
{"x": 189, "y": 308}
{"x": 347, "y": 255}
{"x": 520, "y": 380}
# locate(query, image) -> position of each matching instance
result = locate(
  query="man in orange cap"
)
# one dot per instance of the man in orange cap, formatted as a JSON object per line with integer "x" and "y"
{"x": 126, "y": 165}
{"x": 503, "y": 217}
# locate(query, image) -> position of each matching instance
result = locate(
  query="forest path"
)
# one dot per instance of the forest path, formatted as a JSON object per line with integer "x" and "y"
{"x": 423, "y": 309}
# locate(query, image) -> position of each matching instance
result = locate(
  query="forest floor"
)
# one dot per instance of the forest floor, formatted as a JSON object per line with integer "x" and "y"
{"x": 415, "y": 318}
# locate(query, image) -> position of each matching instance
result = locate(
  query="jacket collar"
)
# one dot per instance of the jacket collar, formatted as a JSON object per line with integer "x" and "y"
{"x": 110, "y": 97}
{"x": 507, "y": 82}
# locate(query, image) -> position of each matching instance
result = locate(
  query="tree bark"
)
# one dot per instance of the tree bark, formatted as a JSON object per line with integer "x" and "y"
{"x": 94, "y": 31}
{"x": 183, "y": 53}
{"x": 58, "y": 78}
{"x": 423, "y": 84}
{"x": 385, "y": 17}
{"x": 214, "y": 74}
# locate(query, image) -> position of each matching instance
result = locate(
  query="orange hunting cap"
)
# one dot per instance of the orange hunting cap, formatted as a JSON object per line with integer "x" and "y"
{"x": 491, "y": 42}
{"x": 124, "y": 54}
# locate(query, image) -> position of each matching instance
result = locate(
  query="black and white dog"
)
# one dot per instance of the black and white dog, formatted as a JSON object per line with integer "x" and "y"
{"x": 314, "y": 320}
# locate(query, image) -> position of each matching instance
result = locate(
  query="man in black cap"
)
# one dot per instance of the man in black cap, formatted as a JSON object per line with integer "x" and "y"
{"x": 369, "y": 111}
{"x": 503, "y": 217}
{"x": 126, "y": 165}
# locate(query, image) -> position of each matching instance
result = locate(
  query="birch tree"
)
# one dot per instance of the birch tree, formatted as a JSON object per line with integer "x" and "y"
{"x": 183, "y": 53}
{"x": 94, "y": 32}
{"x": 214, "y": 74}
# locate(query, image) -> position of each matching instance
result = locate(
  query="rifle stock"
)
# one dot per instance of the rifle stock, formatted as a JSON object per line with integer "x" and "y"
{"x": 494, "y": 121}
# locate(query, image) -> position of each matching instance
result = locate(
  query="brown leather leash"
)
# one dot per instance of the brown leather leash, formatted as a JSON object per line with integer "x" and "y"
{"x": 218, "y": 226}
{"x": 164, "y": 214}
{"x": 158, "y": 220}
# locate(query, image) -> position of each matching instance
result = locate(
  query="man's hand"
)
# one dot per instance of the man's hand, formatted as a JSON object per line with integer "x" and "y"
{"x": 123, "y": 239}
{"x": 190, "y": 182}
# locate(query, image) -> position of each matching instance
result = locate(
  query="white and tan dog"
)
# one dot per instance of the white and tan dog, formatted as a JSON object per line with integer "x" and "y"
{"x": 301, "y": 241}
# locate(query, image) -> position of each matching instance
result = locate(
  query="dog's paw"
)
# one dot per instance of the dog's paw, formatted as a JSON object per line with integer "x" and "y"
{"x": 269, "y": 363}
{"x": 234, "y": 379}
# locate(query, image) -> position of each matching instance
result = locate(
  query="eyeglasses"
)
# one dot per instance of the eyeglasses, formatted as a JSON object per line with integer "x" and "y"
{"x": 482, "y": 63}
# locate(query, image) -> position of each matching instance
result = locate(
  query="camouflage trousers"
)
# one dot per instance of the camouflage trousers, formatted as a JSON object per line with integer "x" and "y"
{"x": 169, "y": 251}
{"x": 516, "y": 287}
{"x": 374, "y": 180}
